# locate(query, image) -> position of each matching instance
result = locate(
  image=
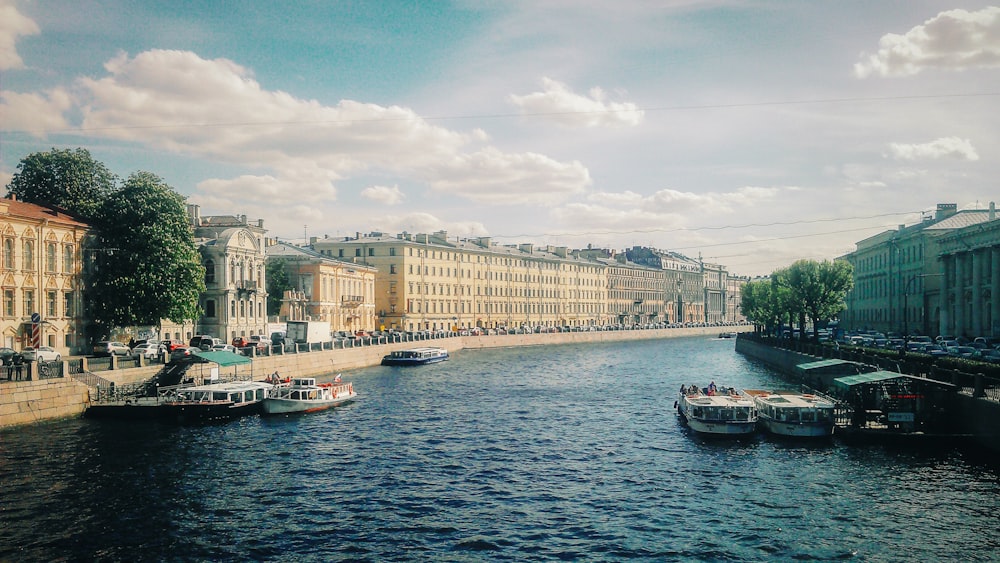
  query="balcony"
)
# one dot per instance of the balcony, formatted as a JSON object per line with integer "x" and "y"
{"x": 351, "y": 300}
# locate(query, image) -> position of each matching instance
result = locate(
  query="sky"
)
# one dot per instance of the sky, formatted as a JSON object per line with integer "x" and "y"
{"x": 750, "y": 134}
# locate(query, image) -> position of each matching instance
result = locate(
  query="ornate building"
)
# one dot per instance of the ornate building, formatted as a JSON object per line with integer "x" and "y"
{"x": 40, "y": 260}
{"x": 326, "y": 289}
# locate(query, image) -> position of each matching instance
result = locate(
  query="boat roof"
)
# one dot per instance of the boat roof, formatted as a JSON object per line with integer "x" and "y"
{"x": 720, "y": 400}
{"x": 224, "y": 358}
{"x": 229, "y": 386}
{"x": 789, "y": 398}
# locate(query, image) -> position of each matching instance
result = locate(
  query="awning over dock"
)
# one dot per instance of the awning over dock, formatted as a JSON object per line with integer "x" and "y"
{"x": 224, "y": 358}
{"x": 820, "y": 374}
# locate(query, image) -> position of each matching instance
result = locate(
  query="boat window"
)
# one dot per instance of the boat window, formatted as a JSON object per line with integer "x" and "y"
{"x": 219, "y": 396}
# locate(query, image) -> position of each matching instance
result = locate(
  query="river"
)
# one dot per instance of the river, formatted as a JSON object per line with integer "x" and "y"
{"x": 560, "y": 453}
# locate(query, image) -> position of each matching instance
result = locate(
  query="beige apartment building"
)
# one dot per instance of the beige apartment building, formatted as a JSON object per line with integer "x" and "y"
{"x": 41, "y": 263}
{"x": 433, "y": 282}
{"x": 337, "y": 291}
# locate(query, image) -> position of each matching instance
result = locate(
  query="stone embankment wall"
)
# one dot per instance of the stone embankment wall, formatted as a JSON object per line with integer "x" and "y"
{"x": 25, "y": 402}
{"x": 977, "y": 416}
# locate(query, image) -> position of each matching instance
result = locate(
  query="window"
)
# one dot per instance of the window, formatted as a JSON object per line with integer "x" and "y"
{"x": 68, "y": 303}
{"x": 371, "y": 252}
{"x": 210, "y": 308}
{"x": 392, "y": 268}
{"x": 8, "y": 253}
{"x": 68, "y": 252}
{"x": 50, "y": 257}
{"x": 50, "y": 304}
{"x": 8, "y": 302}
{"x": 29, "y": 255}
{"x": 340, "y": 252}
{"x": 210, "y": 272}
{"x": 29, "y": 301}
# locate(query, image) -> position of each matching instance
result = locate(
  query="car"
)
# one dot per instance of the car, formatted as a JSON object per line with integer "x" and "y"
{"x": 260, "y": 341}
{"x": 7, "y": 353}
{"x": 183, "y": 353}
{"x": 41, "y": 354}
{"x": 148, "y": 349}
{"x": 203, "y": 341}
{"x": 111, "y": 348}
{"x": 224, "y": 348}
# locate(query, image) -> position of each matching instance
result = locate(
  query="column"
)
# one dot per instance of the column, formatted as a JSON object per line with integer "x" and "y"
{"x": 994, "y": 292}
{"x": 976, "y": 296}
{"x": 959, "y": 308}
{"x": 944, "y": 312}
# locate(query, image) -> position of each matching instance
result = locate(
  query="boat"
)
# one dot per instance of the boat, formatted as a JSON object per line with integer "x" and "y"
{"x": 719, "y": 411}
{"x": 415, "y": 356}
{"x": 791, "y": 413}
{"x": 730, "y": 334}
{"x": 215, "y": 401}
{"x": 303, "y": 394}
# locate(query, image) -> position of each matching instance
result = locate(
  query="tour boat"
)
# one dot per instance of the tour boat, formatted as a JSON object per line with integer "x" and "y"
{"x": 790, "y": 413}
{"x": 303, "y": 394}
{"x": 717, "y": 412}
{"x": 216, "y": 400}
{"x": 415, "y": 357}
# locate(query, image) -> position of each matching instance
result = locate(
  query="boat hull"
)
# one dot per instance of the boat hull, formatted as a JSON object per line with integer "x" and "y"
{"x": 293, "y": 406}
{"x": 410, "y": 362}
{"x": 801, "y": 430}
{"x": 184, "y": 412}
{"x": 721, "y": 428}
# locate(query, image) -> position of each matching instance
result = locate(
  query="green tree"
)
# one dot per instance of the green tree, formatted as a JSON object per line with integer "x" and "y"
{"x": 68, "y": 179}
{"x": 764, "y": 302}
{"x": 816, "y": 290}
{"x": 278, "y": 281}
{"x": 146, "y": 265}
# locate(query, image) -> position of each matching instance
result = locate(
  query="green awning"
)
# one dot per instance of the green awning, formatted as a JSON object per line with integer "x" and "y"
{"x": 826, "y": 364}
{"x": 873, "y": 377}
{"x": 223, "y": 358}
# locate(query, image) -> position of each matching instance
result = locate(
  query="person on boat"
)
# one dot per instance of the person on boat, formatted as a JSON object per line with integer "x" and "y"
{"x": 712, "y": 388}
{"x": 274, "y": 378}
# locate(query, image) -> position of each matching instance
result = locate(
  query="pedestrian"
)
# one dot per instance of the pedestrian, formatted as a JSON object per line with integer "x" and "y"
{"x": 18, "y": 361}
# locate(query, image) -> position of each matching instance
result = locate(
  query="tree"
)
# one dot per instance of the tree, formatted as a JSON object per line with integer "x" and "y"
{"x": 278, "y": 281}
{"x": 764, "y": 302}
{"x": 817, "y": 289}
{"x": 68, "y": 179}
{"x": 146, "y": 265}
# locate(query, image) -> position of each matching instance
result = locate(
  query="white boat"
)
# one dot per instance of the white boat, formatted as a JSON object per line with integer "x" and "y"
{"x": 415, "y": 356}
{"x": 790, "y": 413}
{"x": 303, "y": 394}
{"x": 722, "y": 412}
{"x": 230, "y": 399}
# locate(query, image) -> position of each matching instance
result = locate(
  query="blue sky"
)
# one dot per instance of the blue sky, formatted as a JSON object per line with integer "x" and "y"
{"x": 752, "y": 133}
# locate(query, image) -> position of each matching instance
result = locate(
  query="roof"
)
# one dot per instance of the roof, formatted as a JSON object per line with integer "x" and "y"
{"x": 224, "y": 358}
{"x": 30, "y": 211}
{"x": 829, "y": 366}
{"x": 876, "y": 376}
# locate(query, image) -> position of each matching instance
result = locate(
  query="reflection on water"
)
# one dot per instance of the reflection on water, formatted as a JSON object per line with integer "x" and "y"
{"x": 522, "y": 454}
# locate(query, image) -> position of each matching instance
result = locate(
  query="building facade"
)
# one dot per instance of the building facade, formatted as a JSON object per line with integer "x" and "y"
{"x": 968, "y": 301}
{"x": 901, "y": 277}
{"x": 326, "y": 289}
{"x": 41, "y": 263}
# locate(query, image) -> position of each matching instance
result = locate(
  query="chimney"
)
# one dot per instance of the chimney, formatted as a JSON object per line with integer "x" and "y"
{"x": 993, "y": 211}
{"x": 945, "y": 210}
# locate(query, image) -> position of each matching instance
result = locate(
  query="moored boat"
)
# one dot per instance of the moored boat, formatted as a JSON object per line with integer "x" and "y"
{"x": 214, "y": 401}
{"x": 415, "y": 356}
{"x": 791, "y": 413}
{"x": 719, "y": 411}
{"x": 303, "y": 394}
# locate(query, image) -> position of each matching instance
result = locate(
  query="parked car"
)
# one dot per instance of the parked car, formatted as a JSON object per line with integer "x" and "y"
{"x": 182, "y": 353}
{"x": 148, "y": 349}
{"x": 261, "y": 342}
{"x": 225, "y": 348}
{"x": 202, "y": 341}
{"x": 7, "y": 353}
{"x": 41, "y": 354}
{"x": 111, "y": 348}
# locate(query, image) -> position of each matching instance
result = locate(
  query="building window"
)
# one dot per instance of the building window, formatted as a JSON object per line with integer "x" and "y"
{"x": 50, "y": 304}
{"x": 29, "y": 301}
{"x": 209, "y": 271}
{"x": 50, "y": 257}
{"x": 68, "y": 253}
{"x": 340, "y": 252}
{"x": 8, "y": 253}
{"x": 210, "y": 308}
{"x": 68, "y": 310}
{"x": 29, "y": 255}
{"x": 8, "y": 302}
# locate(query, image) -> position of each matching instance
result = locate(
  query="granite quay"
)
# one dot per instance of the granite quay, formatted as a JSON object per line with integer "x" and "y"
{"x": 73, "y": 389}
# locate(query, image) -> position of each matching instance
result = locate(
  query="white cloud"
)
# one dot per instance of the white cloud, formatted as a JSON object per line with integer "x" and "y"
{"x": 490, "y": 176}
{"x": 676, "y": 202}
{"x": 13, "y": 24}
{"x": 420, "y": 222}
{"x": 383, "y": 194}
{"x": 557, "y": 103}
{"x": 945, "y": 147}
{"x": 178, "y": 102}
{"x": 34, "y": 113}
{"x": 955, "y": 39}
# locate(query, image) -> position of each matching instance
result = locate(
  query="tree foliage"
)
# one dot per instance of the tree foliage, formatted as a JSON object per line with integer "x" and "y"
{"x": 147, "y": 265}
{"x": 278, "y": 280}
{"x": 68, "y": 179}
{"x": 807, "y": 288}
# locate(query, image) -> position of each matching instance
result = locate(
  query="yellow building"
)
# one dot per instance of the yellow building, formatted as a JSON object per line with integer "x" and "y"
{"x": 40, "y": 259}
{"x": 431, "y": 282}
{"x": 326, "y": 289}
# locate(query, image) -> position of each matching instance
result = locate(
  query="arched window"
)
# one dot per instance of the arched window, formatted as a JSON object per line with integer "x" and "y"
{"x": 29, "y": 255}
{"x": 8, "y": 253}
{"x": 50, "y": 257}
{"x": 209, "y": 271}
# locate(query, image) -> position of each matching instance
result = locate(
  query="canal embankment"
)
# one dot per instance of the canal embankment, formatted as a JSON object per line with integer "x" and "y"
{"x": 32, "y": 401}
{"x": 972, "y": 414}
